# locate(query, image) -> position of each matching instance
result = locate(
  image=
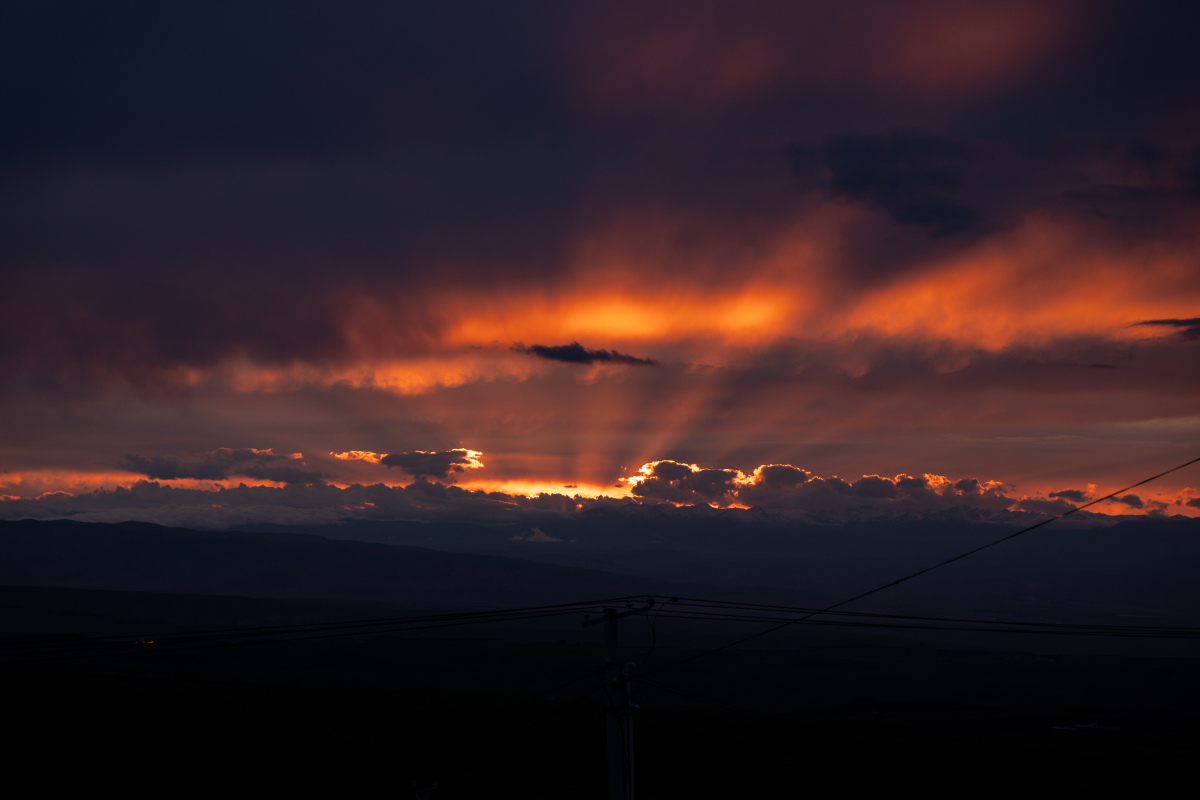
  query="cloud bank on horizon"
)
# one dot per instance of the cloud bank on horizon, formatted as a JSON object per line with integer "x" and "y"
{"x": 172, "y": 494}
{"x": 936, "y": 237}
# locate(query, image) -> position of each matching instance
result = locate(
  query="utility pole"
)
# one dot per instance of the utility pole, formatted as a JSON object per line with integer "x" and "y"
{"x": 620, "y": 710}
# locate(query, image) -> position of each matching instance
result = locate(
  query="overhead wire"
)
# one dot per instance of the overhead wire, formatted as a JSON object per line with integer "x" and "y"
{"x": 653, "y": 623}
{"x": 684, "y": 604}
{"x": 269, "y": 635}
{"x": 1134, "y": 634}
{"x": 223, "y": 643}
{"x": 29, "y": 652}
{"x": 697, "y": 609}
{"x": 373, "y": 621}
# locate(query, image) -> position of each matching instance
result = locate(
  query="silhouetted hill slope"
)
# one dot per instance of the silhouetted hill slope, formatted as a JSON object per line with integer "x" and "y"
{"x": 151, "y": 558}
{"x": 1136, "y": 570}
{"x": 1063, "y": 544}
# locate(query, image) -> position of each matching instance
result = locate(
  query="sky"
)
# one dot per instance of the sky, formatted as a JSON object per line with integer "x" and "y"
{"x": 838, "y": 258}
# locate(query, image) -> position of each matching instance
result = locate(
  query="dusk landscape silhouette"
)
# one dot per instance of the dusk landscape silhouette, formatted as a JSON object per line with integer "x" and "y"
{"x": 546, "y": 399}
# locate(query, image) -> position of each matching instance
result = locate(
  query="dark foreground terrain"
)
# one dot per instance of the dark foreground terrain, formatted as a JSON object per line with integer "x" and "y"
{"x": 511, "y": 709}
{"x": 197, "y": 737}
{"x": 486, "y": 717}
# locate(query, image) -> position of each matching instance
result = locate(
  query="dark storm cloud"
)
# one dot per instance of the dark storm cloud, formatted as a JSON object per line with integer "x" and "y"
{"x": 680, "y": 483}
{"x": 575, "y": 353}
{"x": 295, "y": 504}
{"x": 783, "y": 486}
{"x": 175, "y": 170}
{"x": 1187, "y": 328}
{"x": 313, "y": 77}
{"x": 434, "y": 464}
{"x": 1073, "y": 495}
{"x": 940, "y": 194}
{"x": 916, "y": 180}
{"x": 781, "y": 476}
{"x": 1131, "y": 500}
{"x": 221, "y": 464}
{"x": 174, "y": 177}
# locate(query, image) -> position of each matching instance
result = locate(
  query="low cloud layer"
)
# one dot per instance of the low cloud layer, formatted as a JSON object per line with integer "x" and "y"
{"x": 223, "y": 463}
{"x": 783, "y": 486}
{"x": 786, "y": 486}
{"x": 772, "y": 493}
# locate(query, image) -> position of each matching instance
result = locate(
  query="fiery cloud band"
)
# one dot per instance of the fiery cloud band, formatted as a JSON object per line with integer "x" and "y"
{"x": 866, "y": 236}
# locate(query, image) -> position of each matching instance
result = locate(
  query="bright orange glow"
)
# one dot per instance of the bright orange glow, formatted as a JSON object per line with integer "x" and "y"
{"x": 35, "y": 483}
{"x": 752, "y": 314}
{"x": 534, "y": 487}
{"x": 1021, "y": 287}
{"x": 1014, "y": 291}
{"x": 358, "y": 455}
{"x": 472, "y": 457}
{"x": 38, "y": 483}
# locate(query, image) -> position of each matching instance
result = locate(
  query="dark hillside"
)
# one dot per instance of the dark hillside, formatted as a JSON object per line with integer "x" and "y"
{"x": 150, "y": 558}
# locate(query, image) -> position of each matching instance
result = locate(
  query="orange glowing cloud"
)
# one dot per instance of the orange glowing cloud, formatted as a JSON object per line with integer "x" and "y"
{"x": 38, "y": 482}
{"x": 533, "y": 487}
{"x": 1041, "y": 281}
{"x": 786, "y": 486}
{"x": 1046, "y": 278}
{"x": 43, "y": 483}
{"x": 751, "y": 313}
{"x": 358, "y": 455}
{"x": 629, "y": 287}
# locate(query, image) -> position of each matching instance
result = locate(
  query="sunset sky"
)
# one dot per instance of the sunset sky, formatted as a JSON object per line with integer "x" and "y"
{"x": 651, "y": 250}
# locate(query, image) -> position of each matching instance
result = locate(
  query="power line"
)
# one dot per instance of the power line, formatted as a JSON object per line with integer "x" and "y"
{"x": 280, "y": 634}
{"x": 502, "y": 614}
{"x": 1133, "y": 634}
{"x": 877, "y": 589}
{"x": 697, "y": 609}
{"x": 689, "y": 602}
{"x": 221, "y": 644}
{"x": 653, "y": 623}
